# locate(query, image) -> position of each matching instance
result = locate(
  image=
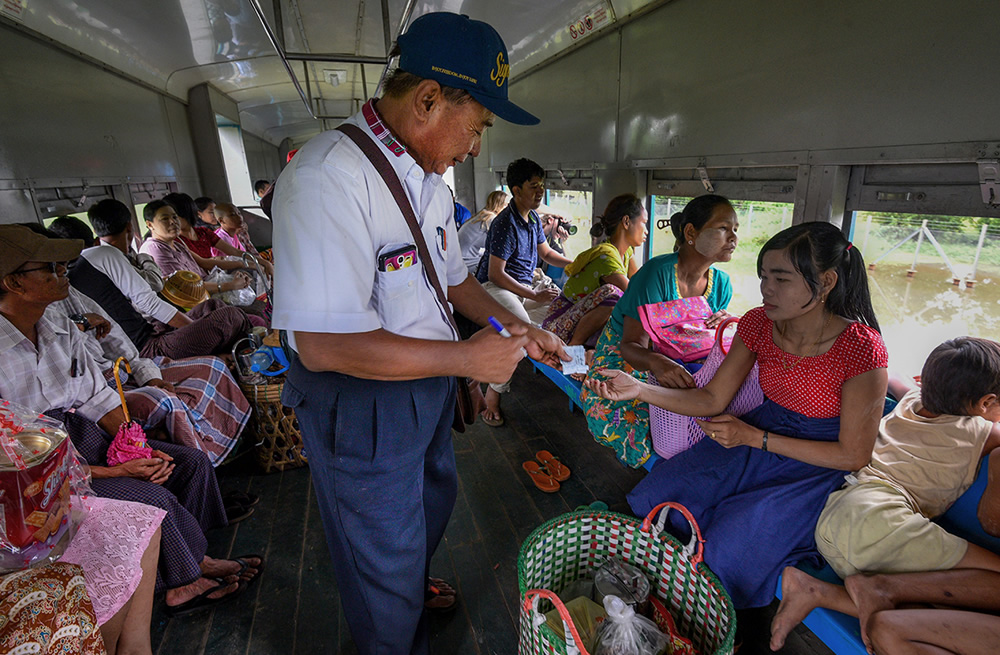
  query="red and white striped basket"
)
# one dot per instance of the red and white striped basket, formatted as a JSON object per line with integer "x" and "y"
{"x": 673, "y": 433}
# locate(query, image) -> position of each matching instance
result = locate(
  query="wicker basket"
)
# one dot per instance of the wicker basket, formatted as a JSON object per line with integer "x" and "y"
{"x": 573, "y": 545}
{"x": 277, "y": 437}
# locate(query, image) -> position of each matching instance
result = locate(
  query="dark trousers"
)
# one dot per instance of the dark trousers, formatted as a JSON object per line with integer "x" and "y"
{"x": 215, "y": 327}
{"x": 384, "y": 472}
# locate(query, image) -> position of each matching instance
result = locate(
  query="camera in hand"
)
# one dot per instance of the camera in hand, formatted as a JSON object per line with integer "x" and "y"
{"x": 569, "y": 227}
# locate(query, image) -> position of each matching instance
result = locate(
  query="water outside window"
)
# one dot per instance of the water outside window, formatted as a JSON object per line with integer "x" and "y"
{"x": 950, "y": 288}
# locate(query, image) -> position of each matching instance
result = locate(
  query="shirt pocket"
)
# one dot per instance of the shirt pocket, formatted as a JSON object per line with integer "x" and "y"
{"x": 398, "y": 297}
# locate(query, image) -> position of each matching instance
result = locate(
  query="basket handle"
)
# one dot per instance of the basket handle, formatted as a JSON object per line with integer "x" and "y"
{"x": 695, "y": 548}
{"x": 574, "y": 644}
{"x": 722, "y": 328}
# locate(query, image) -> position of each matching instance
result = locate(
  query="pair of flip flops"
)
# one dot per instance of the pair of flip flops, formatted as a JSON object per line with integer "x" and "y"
{"x": 549, "y": 474}
{"x": 239, "y": 505}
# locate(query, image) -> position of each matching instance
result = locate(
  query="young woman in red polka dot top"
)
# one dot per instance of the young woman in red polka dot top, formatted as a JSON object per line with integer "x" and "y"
{"x": 758, "y": 484}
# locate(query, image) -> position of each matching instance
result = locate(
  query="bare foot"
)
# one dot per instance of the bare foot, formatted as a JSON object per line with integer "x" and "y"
{"x": 492, "y": 412}
{"x": 183, "y": 594}
{"x": 217, "y": 568}
{"x": 800, "y": 594}
{"x": 870, "y": 595}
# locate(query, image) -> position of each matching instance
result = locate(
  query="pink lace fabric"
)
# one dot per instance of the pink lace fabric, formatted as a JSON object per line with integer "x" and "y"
{"x": 109, "y": 546}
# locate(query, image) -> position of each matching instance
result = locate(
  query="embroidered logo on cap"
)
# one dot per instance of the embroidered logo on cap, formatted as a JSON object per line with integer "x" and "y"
{"x": 500, "y": 71}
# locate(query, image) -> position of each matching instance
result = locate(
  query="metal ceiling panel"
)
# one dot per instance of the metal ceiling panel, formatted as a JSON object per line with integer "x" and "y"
{"x": 625, "y": 7}
{"x": 533, "y": 31}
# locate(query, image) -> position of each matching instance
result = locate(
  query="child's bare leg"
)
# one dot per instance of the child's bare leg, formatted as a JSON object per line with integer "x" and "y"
{"x": 800, "y": 594}
{"x": 973, "y": 589}
{"x": 934, "y": 631}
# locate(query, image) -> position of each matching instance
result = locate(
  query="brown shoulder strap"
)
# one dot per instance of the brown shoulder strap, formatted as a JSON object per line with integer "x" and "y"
{"x": 384, "y": 168}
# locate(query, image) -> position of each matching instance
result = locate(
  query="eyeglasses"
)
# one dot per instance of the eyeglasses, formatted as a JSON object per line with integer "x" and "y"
{"x": 52, "y": 267}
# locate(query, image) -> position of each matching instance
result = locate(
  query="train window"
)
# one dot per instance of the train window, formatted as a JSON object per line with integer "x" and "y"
{"x": 577, "y": 208}
{"x": 759, "y": 220}
{"x": 80, "y": 215}
{"x": 235, "y": 160}
{"x": 932, "y": 277}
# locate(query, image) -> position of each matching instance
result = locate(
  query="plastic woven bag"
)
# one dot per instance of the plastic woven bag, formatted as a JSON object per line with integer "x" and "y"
{"x": 677, "y": 327}
{"x": 673, "y": 433}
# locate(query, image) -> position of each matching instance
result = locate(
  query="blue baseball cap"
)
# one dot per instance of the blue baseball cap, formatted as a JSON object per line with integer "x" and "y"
{"x": 465, "y": 54}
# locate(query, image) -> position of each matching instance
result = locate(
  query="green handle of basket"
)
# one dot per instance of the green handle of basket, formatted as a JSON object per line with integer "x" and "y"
{"x": 531, "y": 600}
{"x": 695, "y": 548}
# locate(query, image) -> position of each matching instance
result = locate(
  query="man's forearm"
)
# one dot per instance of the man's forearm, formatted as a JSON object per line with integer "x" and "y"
{"x": 381, "y": 355}
{"x": 508, "y": 283}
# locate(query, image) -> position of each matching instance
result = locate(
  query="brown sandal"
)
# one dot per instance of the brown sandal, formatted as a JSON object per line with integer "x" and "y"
{"x": 551, "y": 463}
{"x": 542, "y": 480}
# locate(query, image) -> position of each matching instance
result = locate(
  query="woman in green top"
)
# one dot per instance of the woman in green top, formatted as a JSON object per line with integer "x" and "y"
{"x": 597, "y": 277}
{"x": 706, "y": 234}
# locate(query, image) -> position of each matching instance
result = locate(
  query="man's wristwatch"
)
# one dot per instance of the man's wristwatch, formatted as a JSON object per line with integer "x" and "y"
{"x": 81, "y": 320}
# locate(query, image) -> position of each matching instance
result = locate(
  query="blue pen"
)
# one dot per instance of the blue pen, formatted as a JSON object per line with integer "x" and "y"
{"x": 498, "y": 326}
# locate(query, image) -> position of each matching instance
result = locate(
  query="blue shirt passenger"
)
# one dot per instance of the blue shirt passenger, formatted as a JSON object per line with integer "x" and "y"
{"x": 515, "y": 240}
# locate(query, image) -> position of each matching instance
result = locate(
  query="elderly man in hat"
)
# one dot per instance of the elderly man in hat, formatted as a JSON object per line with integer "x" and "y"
{"x": 361, "y": 292}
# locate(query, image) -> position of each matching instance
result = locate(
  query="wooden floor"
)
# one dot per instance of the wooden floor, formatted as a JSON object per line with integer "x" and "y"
{"x": 295, "y": 608}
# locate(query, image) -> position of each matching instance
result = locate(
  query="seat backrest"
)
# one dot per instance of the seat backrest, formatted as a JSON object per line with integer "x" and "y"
{"x": 961, "y": 518}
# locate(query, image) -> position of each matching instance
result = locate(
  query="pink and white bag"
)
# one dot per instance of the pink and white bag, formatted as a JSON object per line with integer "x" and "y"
{"x": 677, "y": 327}
{"x": 674, "y": 433}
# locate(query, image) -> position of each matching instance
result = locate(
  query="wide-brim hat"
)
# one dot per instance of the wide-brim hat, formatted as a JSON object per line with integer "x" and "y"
{"x": 19, "y": 245}
{"x": 462, "y": 53}
{"x": 184, "y": 289}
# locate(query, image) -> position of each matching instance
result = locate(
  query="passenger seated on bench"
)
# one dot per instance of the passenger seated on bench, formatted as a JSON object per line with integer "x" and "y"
{"x": 206, "y": 212}
{"x": 705, "y": 233}
{"x": 45, "y": 365}
{"x": 514, "y": 244}
{"x": 926, "y": 455}
{"x": 106, "y": 276}
{"x": 233, "y": 230}
{"x": 195, "y": 399}
{"x": 472, "y": 234}
{"x": 757, "y": 484}
{"x": 598, "y": 276}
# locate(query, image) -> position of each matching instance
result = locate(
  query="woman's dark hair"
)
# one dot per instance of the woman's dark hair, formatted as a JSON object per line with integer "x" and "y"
{"x": 184, "y": 205}
{"x": 816, "y": 247}
{"x": 627, "y": 204}
{"x": 697, "y": 212}
{"x": 109, "y": 217}
{"x": 149, "y": 211}
{"x": 202, "y": 203}
{"x": 71, "y": 227}
{"x": 958, "y": 373}
{"x": 521, "y": 170}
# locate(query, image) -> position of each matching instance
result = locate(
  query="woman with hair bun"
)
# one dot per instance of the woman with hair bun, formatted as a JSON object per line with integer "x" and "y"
{"x": 706, "y": 234}
{"x": 598, "y": 276}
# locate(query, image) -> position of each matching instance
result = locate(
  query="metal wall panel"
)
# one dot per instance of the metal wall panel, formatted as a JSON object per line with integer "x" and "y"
{"x": 789, "y": 75}
{"x": 576, "y": 99}
{"x": 263, "y": 160}
{"x": 63, "y": 117}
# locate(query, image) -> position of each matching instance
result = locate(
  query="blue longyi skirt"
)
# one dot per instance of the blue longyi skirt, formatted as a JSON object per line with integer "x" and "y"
{"x": 757, "y": 511}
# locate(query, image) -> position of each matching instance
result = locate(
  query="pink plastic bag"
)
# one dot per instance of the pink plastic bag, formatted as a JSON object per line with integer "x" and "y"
{"x": 677, "y": 328}
{"x": 674, "y": 433}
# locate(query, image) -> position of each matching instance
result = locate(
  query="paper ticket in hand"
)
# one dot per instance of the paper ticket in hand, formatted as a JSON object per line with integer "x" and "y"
{"x": 578, "y": 363}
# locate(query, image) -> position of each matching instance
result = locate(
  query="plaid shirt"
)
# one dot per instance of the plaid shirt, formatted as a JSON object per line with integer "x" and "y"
{"x": 59, "y": 374}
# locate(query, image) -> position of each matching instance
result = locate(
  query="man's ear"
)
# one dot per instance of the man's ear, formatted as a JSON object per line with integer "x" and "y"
{"x": 11, "y": 284}
{"x": 426, "y": 98}
{"x": 983, "y": 406}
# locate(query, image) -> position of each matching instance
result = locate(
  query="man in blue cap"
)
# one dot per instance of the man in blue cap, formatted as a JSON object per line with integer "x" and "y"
{"x": 373, "y": 385}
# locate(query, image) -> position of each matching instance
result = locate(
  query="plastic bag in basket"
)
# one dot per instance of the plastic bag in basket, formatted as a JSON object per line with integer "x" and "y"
{"x": 40, "y": 479}
{"x": 673, "y": 433}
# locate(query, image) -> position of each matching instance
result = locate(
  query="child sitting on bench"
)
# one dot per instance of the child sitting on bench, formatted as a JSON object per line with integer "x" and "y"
{"x": 926, "y": 455}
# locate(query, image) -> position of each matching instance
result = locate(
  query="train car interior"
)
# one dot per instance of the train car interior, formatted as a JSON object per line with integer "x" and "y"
{"x": 880, "y": 118}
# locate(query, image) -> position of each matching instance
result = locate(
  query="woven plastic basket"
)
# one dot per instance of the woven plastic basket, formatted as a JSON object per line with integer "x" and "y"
{"x": 278, "y": 442}
{"x": 673, "y": 433}
{"x": 574, "y": 545}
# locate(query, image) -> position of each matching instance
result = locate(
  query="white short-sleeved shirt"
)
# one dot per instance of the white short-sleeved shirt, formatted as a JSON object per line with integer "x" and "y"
{"x": 334, "y": 217}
